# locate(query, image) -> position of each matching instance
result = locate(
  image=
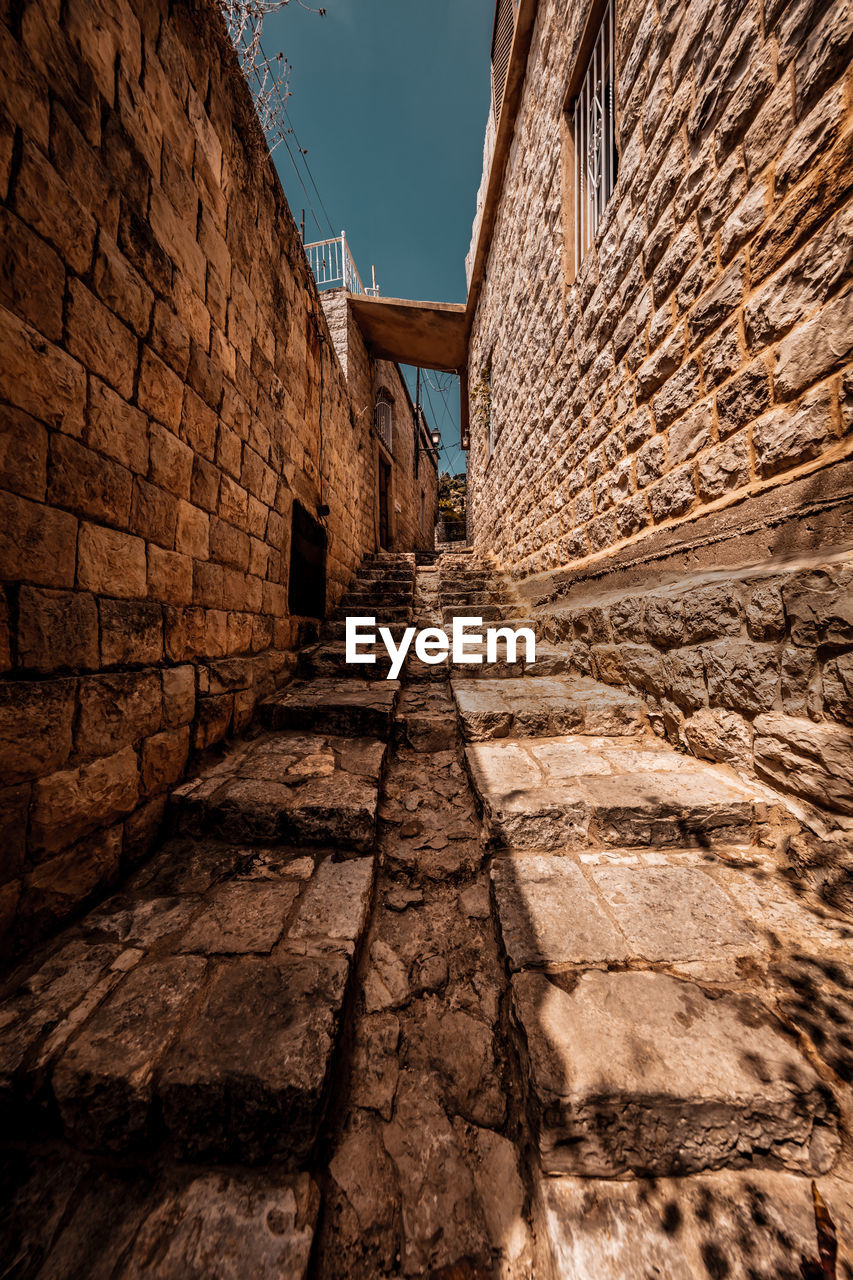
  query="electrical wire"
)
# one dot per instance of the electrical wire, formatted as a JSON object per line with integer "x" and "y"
{"x": 303, "y": 151}
{"x": 282, "y": 135}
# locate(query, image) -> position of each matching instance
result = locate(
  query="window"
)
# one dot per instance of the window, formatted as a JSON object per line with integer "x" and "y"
{"x": 502, "y": 35}
{"x": 383, "y": 418}
{"x": 591, "y": 120}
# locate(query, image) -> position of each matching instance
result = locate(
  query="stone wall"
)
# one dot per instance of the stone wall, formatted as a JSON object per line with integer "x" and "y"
{"x": 168, "y": 387}
{"x": 754, "y": 668}
{"x": 702, "y": 352}
{"x": 414, "y": 485}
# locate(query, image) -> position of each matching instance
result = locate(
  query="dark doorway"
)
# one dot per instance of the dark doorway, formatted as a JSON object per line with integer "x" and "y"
{"x": 384, "y": 498}
{"x": 306, "y": 596}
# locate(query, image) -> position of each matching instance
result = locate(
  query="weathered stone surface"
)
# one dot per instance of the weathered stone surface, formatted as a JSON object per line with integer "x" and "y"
{"x": 35, "y": 728}
{"x": 441, "y": 1220}
{"x": 812, "y": 760}
{"x": 354, "y": 707}
{"x": 553, "y": 917}
{"x": 218, "y": 1226}
{"x": 57, "y": 629}
{"x": 335, "y": 904}
{"x": 104, "y": 1082}
{"x": 716, "y": 734}
{"x": 838, "y": 688}
{"x": 730, "y": 1222}
{"x": 301, "y": 788}
{"x": 641, "y": 1072}
{"x": 241, "y": 918}
{"x": 819, "y": 606}
{"x": 69, "y": 804}
{"x": 375, "y": 1064}
{"x": 544, "y": 707}
{"x": 550, "y": 917}
{"x": 741, "y": 676}
{"x": 568, "y": 792}
{"x": 247, "y": 1075}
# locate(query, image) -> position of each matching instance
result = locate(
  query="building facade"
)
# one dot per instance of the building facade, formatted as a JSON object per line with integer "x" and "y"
{"x": 402, "y": 456}
{"x": 660, "y": 304}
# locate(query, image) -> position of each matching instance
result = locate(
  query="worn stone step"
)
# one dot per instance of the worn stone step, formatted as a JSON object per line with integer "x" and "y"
{"x": 390, "y": 612}
{"x": 559, "y": 914}
{"x": 471, "y": 596}
{"x": 426, "y": 717}
{"x": 488, "y": 612}
{"x": 377, "y": 596}
{"x": 355, "y": 708}
{"x": 743, "y": 1225}
{"x": 114, "y": 1221}
{"x": 546, "y": 707}
{"x": 337, "y": 628}
{"x": 640, "y": 1072}
{"x": 217, "y": 1031}
{"x": 309, "y": 788}
{"x": 330, "y": 659}
{"x": 575, "y": 792}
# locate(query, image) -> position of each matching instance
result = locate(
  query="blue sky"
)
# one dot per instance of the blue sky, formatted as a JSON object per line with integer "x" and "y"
{"x": 390, "y": 99}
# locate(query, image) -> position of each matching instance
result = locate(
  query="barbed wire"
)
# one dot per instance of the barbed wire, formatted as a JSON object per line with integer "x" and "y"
{"x": 268, "y": 77}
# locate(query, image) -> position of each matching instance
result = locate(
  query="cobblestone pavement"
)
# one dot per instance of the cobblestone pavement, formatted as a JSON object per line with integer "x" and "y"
{"x": 451, "y": 978}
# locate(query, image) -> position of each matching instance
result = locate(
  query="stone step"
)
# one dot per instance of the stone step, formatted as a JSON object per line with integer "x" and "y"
{"x": 353, "y": 708}
{"x": 337, "y": 628}
{"x": 488, "y": 612}
{"x": 471, "y": 596}
{"x": 329, "y": 659}
{"x": 209, "y": 1017}
{"x": 426, "y": 717}
{"x": 745, "y": 1225}
{"x": 546, "y": 707}
{"x": 309, "y": 788}
{"x": 380, "y": 594}
{"x": 389, "y": 612}
{"x": 574, "y": 792}
{"x": 644, "y": 1073}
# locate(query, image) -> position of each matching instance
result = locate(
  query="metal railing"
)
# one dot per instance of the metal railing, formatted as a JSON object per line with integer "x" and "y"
{"x": 334, "y": 266}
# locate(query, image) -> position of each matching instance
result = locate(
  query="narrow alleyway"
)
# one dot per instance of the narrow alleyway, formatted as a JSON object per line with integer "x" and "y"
{"x": 462, "y": 976}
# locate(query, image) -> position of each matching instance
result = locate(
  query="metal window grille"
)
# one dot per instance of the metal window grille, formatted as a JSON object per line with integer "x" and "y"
{"x": 383, "y": 420}
{"x": 501, "y": 49}
{"x": 594, "y": 137}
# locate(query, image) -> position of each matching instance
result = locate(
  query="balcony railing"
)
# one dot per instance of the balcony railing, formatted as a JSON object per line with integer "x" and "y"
{"x": 334, "y": 266}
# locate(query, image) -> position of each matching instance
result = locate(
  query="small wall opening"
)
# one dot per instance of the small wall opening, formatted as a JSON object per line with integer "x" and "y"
{"x": 306, "y": 596}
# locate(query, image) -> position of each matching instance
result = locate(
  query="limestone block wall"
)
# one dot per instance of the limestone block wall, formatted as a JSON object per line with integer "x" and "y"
{"x": 168, "y": 388}
{"x": 753, "y": 667}
{"x": 702, "y": 353}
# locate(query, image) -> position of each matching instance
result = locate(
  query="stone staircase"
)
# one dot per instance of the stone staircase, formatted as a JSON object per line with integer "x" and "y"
{"x": 198, "y": 1013}
{"x": 648, "y": 935}
{"x": 617, "y": 984}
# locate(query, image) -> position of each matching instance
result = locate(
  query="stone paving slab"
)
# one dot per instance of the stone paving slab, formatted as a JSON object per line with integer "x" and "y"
{"x": 572, "y": 792}
{"x": 301, "y": 788}
{"x": 330, "y": 659}
{"x": 426, "y": 717}
{"x": 246, "y": 1077}
{"x": 229, "y": 1015}
{"x": 67, "y": 1217}
{"x": 548, "y": 706}
{"x": 357, "y": 708}
{"x": 641, "y": 1072}
{"x": 754, "y": 1225}
{"x": 553, "y": 915}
